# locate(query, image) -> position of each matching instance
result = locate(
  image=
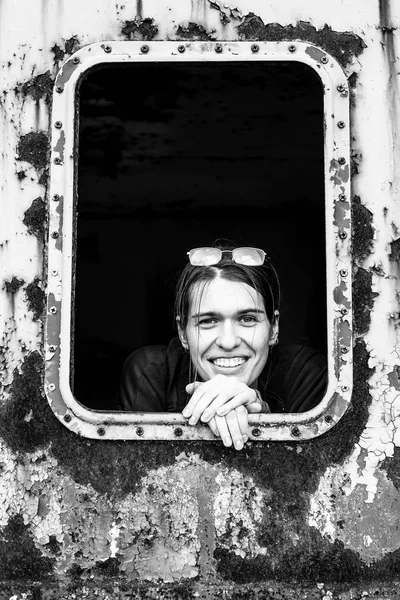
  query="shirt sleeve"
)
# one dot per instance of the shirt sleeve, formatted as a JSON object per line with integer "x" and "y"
{"x": 306, "y": 381}
{"x": 142, "y": 387}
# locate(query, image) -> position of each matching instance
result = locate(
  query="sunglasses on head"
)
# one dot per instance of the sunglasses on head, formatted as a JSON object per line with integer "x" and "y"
{"x": 204, "y": 257}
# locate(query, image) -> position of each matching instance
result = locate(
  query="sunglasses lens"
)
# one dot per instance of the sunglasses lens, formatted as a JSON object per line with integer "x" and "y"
{"x": 202, "y": 257}
{"x": 253, "y": 257}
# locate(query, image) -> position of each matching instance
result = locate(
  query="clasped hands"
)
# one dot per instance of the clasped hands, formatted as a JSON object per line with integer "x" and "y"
{"x": 223, "y": 403}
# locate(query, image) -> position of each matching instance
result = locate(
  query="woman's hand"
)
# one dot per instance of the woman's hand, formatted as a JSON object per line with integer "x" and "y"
{"x": 232, "y": 429}
{"x": 218, "y": 397}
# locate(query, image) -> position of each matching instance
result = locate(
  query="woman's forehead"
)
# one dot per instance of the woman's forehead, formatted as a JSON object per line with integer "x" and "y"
{"x": 222, "y": 295}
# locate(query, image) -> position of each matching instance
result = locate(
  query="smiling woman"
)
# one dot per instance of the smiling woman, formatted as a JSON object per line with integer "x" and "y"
{"x": 227, "y": 362}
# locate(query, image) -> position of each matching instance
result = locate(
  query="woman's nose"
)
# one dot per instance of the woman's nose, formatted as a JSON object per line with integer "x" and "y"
{"x": 228, "y": 338}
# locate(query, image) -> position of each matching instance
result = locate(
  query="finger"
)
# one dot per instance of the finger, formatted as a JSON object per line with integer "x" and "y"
{"x": 223, "y": 430}
{"x": 213, "y": 426}
{"x": 236, "y": 420}
{"x": 239, "y": 400}
{"x": 197, "y": 391}
{"x": 243, "y": 421}
{"x": 222, "y": 398}
{"x": 207, "y": 398}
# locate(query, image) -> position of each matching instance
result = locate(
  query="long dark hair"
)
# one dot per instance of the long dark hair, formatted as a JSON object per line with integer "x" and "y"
{"x": 263, "y": 279}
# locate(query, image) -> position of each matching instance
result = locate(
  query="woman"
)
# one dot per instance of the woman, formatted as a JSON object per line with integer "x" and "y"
{"x": 226, "y": 362}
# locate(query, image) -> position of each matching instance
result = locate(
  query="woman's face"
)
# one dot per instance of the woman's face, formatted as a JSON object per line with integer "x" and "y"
{"x": 228, "y": 330}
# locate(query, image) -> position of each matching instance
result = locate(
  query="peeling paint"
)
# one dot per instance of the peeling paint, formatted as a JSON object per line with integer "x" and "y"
{"x": 35, "y": 297}
{"x": 35, "y": 218}
{"x": 33, "y": 148}
{"x": 14, "y": 285}
{"x": 139, "y": 29}
{"x": 40, "y": 87}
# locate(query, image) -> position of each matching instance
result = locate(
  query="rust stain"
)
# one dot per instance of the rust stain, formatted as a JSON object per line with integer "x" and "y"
{"x": 60, "y": 145}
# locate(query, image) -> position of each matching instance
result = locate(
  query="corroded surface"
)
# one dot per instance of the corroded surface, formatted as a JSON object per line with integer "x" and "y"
{"x": 317, "y": 519}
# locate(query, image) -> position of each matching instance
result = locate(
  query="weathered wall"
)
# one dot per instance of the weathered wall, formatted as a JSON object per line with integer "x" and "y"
{"x": 281, "y": 520}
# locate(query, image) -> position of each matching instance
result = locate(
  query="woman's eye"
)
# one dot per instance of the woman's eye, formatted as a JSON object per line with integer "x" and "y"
{"x": 206, "y": 322}
{"x": 248, "y": 319}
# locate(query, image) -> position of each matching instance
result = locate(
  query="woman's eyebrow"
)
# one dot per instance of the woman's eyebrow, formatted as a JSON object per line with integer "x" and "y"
{"x": 243, "y": 311}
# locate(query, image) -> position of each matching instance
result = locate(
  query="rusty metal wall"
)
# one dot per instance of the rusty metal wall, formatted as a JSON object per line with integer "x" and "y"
{"x": 91, "y": 518}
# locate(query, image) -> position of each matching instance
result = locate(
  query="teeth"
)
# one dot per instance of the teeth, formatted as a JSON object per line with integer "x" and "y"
{"x": 228, "y": 362}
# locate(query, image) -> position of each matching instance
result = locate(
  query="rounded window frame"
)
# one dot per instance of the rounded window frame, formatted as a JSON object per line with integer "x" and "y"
{"x": 64, "y": 124}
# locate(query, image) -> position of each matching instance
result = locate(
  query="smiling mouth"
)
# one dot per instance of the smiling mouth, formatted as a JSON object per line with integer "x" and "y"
{"x": 235, "y": 361}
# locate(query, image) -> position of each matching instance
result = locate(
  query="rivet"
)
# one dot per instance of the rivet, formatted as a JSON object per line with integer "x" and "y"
{"x": 255, "y": 47}
{"x": 52, "y": 387}
{"x": 108, "y": 50}
{"x": 342, "y": 197}
{"x": 218, "y": 48}
{"x": 292, "y": 48}
{"x": 344, "y": 349}
{"x": 139, "y": 431}
{"x": 52, "y": 348}
{"x": 342, "y": 235}
{"x": 181, "y": 48}
{"x": 56, "y": 197}
{"x": 178, "y": 432}
{"x": 67, "y": 418}
{"x": 324, "y": 60}
{"x": 295, "y": 431}
{"x": 345, "y": 388}
{"x": 76, "y": 60}
{"x": 342, "y": 160}
{"x": 57, "y": 161}
{"x": 328, "y": 418}
{"x": 53, "y": 310}
{"x": 58, "y": 124}
{"x": 59, "y": 89}
{"x": 256, "y": 432}
{"x": 344, "y": 311}
{"x": 55, "y": 234}
{"x": 341, "y": 88}
{"x": 341, "y": 124}
{"x": 54, "y": 272}
{"x": 144, "y": 48}
{"x": 343, "y": 273}
{"x": 101, "y": 431}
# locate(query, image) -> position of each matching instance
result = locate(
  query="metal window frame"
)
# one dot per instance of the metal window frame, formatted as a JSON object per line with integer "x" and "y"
{"x": 166, "y": 426}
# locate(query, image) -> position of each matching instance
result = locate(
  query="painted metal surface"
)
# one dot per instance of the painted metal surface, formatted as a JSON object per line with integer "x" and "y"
{"x": 309, "y": 519}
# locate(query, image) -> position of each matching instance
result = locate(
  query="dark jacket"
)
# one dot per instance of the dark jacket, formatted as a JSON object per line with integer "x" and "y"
{"x": 154, "y": 379}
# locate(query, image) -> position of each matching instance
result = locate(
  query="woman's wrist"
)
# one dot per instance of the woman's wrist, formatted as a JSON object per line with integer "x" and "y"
{"x": 264, "y": 405}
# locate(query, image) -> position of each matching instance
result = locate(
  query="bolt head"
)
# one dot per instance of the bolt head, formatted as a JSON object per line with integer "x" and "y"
{"x": 342, "y": 160}
{"x": 342, "y": 235}
{"x": 67, "y": 418}
{"x": 52, "y": 348}
{"x": 181, "y": 48}
{"x": 341, "y": 124}
{"x": 324, "y": 60}
{"x": 101, "y": 431}
{"x": 178, "y": 431}
{"x": 345, "y": 388}
{"x": 344, "y": 311}
{"x": 144, "y": 48}
{"x": 295, "y": 431}
{"x": 343, "y": 273}
{"x": 256, "y": 432}
{"x": 218, "y": 48}
{"x": 76, "y": 60}
{"x": 255, "y": 47}
{"x": 139, "y": 431}
{"x": 55, "y": 234}
{"x": 328, "y": 418}
{"x": 292, "y": 48}
{"x": 56, "y": 197}
{"x": 341, "y": 88}
{"x": 59, "y": 89}
{"x": 344, "y": 349}
{"x": 53, "y": 310}
{"x": 57, "y": 161}
{"x": 54, "y": 272}
{"x": 52, "y": 387}
{"x": 107, "y": 49}
{"x": 58, "y": 124}
{"x": 342, "y": 197}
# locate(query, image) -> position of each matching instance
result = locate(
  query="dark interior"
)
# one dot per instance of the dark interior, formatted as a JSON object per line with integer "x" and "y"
{"x": 171, "y": 157}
